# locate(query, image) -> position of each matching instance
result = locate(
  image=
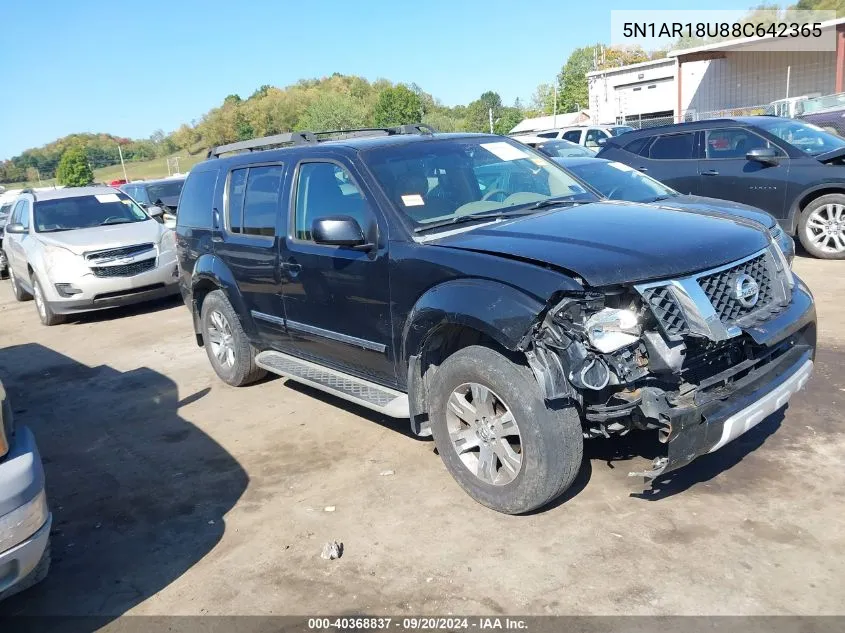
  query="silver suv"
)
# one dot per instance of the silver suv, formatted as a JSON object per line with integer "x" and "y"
{"x": 86, "y": 248}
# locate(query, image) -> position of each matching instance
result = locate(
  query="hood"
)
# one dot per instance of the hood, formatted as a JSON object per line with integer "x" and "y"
{"x": 97, "y": 238}
{"x": 718, "y": 208}
{"x": 610, "y": 243}
{"x": 831, "y": 156}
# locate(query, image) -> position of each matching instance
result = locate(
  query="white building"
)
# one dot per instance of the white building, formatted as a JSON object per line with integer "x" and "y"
{"x": 727, "y": 78}
{"x": 551, "y": 122}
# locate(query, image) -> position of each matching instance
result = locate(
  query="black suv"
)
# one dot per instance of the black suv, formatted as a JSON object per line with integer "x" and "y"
{"x": 791, "y": 169}
{"x": 466, "y": 282}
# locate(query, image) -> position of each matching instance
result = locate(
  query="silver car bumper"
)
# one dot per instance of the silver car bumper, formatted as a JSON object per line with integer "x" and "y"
{"x": 95, "y": 293}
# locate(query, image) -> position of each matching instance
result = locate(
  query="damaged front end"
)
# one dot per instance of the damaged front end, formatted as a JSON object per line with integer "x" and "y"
{"x": 699, "y": 359}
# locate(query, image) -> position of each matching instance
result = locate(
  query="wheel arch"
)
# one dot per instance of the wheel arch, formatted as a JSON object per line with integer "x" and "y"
{"x": 210, "y": 274}
{"x": 806, "y": 197}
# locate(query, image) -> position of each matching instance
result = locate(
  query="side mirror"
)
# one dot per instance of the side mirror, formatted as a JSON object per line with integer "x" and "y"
{"x": 17, "y": 227}
{"x": 601, "y": 142}
{"x": 765, "y": 155}
{"x": 339, "y": 230}
{"x": 154, "y": 211}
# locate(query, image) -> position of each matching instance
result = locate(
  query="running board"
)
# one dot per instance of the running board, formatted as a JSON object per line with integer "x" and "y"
{"x": 363, "y": 392}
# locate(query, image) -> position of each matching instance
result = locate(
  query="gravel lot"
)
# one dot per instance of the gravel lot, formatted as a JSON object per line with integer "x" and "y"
{"x": 175, "y": 494}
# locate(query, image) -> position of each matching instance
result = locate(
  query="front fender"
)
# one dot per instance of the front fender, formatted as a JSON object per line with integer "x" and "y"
{"x": 210, "y": 270}
{"x": 501, "y": 312}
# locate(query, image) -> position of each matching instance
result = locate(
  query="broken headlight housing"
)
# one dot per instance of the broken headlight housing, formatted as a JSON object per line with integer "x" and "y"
{"x": 611, "y": 329}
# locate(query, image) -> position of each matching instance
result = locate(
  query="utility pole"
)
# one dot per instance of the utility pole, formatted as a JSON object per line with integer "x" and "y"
{"x": 490, "y": 115}
{"x": 554, "y": 115}
{"x": 122, "y": 164}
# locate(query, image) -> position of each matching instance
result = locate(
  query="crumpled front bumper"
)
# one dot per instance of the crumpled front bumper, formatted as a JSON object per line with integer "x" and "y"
{"x": 699, "y": 429}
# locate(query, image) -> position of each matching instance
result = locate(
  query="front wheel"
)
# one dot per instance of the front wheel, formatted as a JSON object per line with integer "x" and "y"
{"x": 821, "y": 227}
{"x": 19, "y": 293}
{"x": 45, "y": 312}
{"x": 496, "y": 435}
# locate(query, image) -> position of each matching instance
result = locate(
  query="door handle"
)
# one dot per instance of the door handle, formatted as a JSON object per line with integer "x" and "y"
{"x": 642, "y": 168}
{"x": 216, "y": 238}
{"x": 292, "y": 268}
{"x": 710, "y": 172}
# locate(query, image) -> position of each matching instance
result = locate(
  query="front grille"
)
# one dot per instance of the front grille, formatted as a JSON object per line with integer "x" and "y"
{"x": 719, "y": 288}
{"x": 123, "y": 251}
{"x": 666, "y": 310}
{"x": 124, "y": 270}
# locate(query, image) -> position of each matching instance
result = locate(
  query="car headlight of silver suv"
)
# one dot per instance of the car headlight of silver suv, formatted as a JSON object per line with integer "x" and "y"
{"x": 610, "y": 329}
{"x": 62, "y": 261}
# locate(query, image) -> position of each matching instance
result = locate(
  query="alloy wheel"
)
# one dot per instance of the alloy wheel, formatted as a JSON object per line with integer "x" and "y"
{"x": 220, "y": 338}
{"x": 39, "y": 300}
{"x": 825, "y": 228}
{"x": 484, "y": 433}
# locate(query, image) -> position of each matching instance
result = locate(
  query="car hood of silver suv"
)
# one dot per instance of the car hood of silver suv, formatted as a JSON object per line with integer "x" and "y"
{"x": 80, "y": 241}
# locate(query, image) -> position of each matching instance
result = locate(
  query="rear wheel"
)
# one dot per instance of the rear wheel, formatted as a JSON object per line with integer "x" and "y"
{"x": 228, "y": 348}
{"x": 496, "y": 435}
{"x": 20, "y": 293}
{"x": 45, "y": 312}
{"x": 821, "y": 228}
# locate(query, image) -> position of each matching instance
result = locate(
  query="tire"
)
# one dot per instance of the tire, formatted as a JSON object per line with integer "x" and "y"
{"x": 33, "y": 578}
{"x": 19, "y": 293}
{"x": 236, "y": 366}
{"x": 825, "y": 211}
{"x": 42, "y": 306}
{"x": 551, "y": 443}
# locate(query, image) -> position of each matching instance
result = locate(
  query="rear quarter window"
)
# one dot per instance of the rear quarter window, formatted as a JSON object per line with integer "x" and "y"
{"x": 197, "y": 200}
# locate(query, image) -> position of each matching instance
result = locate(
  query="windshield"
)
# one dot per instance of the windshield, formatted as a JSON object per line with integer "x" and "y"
{"x": 620, "y": 182}
{"x": 164, "y": 190}
{"x": 4, "y": 213}
{"x": 805, "y": 136}
{"x": 83, "y": 212}
{"x": 620, "y": 129}
{"x": 564, "y": 149}
{"x": 441, "y": 180}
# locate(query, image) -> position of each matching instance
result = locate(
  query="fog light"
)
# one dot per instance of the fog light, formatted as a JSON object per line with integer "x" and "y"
{"x": 67, "y": 290}
{"x": 21, "y": 523}
{"x": 176, "y": 271}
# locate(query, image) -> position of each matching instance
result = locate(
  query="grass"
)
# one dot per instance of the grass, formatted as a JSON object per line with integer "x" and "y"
{"x": 136, "y": 170}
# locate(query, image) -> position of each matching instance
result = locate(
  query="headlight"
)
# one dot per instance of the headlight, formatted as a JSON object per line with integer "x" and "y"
{"x": 62, "y": 261}
{"x": 167, "y": 241}
{"x": 783, "y": 264}
{"x": 21, "y": 523}
{"x": 611, "y": 328}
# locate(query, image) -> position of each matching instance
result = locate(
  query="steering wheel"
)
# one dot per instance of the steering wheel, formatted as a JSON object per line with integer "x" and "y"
{"x": 493, "y": 192}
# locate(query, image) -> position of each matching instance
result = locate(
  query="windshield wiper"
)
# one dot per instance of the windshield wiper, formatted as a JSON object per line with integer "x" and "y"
{"x": 461, "y": 219}
{"x": 117, "y": 221}
{"x": 664, "y": 196}
{"x": 555, "y": 202}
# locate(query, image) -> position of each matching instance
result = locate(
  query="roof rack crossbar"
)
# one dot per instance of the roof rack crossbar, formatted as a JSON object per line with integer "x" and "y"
{"x": 302, "y": 138}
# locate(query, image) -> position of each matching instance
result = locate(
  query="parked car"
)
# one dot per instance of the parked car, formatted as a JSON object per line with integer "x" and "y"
{"x": 7, "y": 198}
{"x": 590, "y": 136}
{"x": 554, "y": 147}
{"x": 617, "y": 181}
{"x": 25, "y": 518}
{"x": 162, "y": 193}
{"x": 790, "y": 107}
{"x": 791, "y": 169}
{"x": 86, "y": 248}
{"x": 509, "y": 317}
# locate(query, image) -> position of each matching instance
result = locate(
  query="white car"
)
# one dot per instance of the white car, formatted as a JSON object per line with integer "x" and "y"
{"x": 591, "y": 136}
{"x": 87, "y": 248}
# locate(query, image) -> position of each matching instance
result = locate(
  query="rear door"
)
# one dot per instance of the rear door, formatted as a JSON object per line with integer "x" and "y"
{"x": 726, "y": 173}
{"x": 13, "y": 242}
{"x": 248, "y": 242}
{"x": 672, "y": 159}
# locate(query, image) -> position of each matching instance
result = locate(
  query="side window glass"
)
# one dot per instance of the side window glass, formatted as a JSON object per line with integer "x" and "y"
{"x": 636, "y": 146}
{"x": 572, "y": 135}
{"x": 548, "y": 134}
{"x": 140, "y": 195}
{"x": 593, "y": 136}
{"x": 24, "y": 212}
{"x": 325, "y": 189}
{"x": 234, "y": 207}
{"x": 733, "y": 142}
{"x": 16, "y": 213}
{"x": 197, "y": 200}
{"x": 673, "y": 147}
{"x": 261, "y": 200}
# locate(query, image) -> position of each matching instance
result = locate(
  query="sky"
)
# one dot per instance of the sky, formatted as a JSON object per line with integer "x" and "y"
{"x": 131, "y": 68}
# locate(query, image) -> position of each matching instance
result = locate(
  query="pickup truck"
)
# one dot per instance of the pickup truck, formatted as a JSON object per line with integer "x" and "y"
{"x": 467, "y": 283}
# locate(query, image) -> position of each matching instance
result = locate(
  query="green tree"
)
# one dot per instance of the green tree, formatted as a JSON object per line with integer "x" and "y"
{"x": 573, "y": 93}
{"x": 821, "y": 5}
{"x": 333, "y": 112}
{"x": 478, "y": 112}
{"x": 507, "y": 120}
{"x": 397, "y": 106}
{"x": 74, "y": 170}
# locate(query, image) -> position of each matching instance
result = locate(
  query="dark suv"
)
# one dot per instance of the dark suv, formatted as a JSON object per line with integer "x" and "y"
{"x": 793, "y": 170}
{"x": 466, "y": 282}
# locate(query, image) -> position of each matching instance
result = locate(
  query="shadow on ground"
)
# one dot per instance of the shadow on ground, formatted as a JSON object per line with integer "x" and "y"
{"x": 137, "y": 493}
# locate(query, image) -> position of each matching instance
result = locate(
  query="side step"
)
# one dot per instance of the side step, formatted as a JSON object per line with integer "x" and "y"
{"x": 363, "y": 392}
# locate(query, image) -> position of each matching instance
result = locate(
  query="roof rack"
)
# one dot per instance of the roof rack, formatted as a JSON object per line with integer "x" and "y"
{"x": 31, "y": 192}
{"x": 307, "y": 138}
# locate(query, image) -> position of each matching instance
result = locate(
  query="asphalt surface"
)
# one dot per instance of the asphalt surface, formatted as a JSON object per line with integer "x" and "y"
{"x": 173, "y": 493}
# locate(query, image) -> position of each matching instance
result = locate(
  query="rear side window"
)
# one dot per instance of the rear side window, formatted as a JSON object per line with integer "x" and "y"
{"x": 254, "y": 199}
{"x": 24, "y": 213}
{"x": 637, "y": 146}
{"x": 197, "y": 199}
{"x": 573, "y": 136}
{"x": 673, "y": 147}
{"x": 548, "y": 134}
